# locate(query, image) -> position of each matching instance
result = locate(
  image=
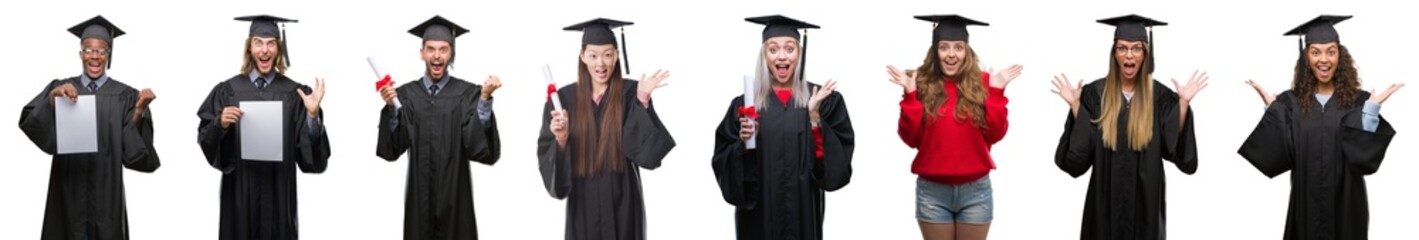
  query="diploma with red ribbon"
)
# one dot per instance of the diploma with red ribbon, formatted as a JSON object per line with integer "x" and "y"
{"x": 384, "y": 80}
{"x": 551, "y": 88}
{"x": 749, "y": 111}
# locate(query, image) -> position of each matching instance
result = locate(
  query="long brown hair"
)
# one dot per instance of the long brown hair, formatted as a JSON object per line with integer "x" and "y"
{"x": 597, "y": 153}
{"x": 970, "y": 94}
{"x": 1140, "y": 115}
{"x": 1346, "y": 80}
{"x": 248, "y": 62}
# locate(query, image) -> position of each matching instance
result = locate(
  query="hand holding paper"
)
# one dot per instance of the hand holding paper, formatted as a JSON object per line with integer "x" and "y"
{"x": 76, "y": 124}
{"x": 384, "y": 80}
{"x": 749, "y": 112}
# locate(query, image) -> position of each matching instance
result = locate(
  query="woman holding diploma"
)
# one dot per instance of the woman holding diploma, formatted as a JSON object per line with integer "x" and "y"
{"x": 259, "y": 193}
{"x": 591, "y": 152}
{"x": 804, "y": 142}
{"x": 952, "y": 113}
{"x": 86, "y": 191}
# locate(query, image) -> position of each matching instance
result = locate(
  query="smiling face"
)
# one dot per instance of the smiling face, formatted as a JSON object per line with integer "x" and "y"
{"x": 436, "y": 56}
{"x": 1322, "y": 59}
{"x": 781, "y": 55}
{"x": 94, "y": 53}
{"x": 263, "y": 51}
{"x": 1130, "y": 56}
{"x": 600, "y": 61}
{"x": 951, "y": 55}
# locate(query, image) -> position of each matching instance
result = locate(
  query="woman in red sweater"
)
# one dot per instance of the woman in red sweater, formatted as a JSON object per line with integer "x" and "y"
{"x": 952, "y": 114}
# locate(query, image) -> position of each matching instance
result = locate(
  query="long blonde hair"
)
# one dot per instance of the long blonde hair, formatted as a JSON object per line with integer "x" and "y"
{"x": 1140, "y": 117}
{"x": 970, "y": 99}
{"x": 764, "y": 83}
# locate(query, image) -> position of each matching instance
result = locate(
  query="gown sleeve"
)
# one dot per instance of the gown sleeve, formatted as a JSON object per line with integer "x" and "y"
{"x": 1364, "y": 150}
{"x": 1269, "y": 147}
{"x": 480, "y": 144}
{"x": 1075, "y": 153}
{"x": 210, "y": 135}
{"x": 732, "y": 163}
{"x": 37, "y": 119}
{"x": 554, "y": 164}
{"x": 1179, "y": 140}
{"x": 834, "y": 170}
{"x": 138, "y": 151}
{"x": 312, "y": 145}
{"x": 645, "y": 140}
{"x": 393, "y": 138}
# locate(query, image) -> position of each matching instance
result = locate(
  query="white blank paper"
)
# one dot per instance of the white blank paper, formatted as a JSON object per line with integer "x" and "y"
{"x": 261, "y": 130}
{"x": 75, "y": 125}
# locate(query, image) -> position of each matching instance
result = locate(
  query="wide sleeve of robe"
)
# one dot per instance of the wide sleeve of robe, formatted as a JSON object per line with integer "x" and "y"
{"x": 210, "y": 135}
{"x": 554, "y": 164}
{"x": 312, "y": 144}
{"x": 37, "y": 119}
{"x": 138, "y": 151}
{"x": 1364, "y": 150}
{"x": 480, "y": 143}
{"x": 1179, "y": 141}
{"x": 834, "y": 169}
{"x": 737, "y": 181}
{"x": 644, "y": 139}
{"x": 1269, "y": 147}
{"x": 1075, "y": 153}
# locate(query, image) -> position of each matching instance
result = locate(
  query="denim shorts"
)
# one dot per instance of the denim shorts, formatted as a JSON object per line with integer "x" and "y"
{"x": 970, "y": 203}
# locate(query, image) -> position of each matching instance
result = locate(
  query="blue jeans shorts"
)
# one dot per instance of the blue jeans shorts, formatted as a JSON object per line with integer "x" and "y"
{"x": 970, "y": 203}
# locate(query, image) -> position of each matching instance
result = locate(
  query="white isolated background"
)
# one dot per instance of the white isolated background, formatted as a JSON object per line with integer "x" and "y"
{"x": 183, "y": 48}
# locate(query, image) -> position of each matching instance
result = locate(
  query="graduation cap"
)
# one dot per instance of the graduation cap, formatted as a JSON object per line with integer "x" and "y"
{"x": 781, "y": 26}
{"x": 98, "y": 28}
{"x": 439, "y": 29}
{"x": 266, "y": 26}
{"x": 1318, "y": 30}
{"x": 598, "y": 32}
{"x": 950, "y": 27}
{"x": 1135, "y": 28}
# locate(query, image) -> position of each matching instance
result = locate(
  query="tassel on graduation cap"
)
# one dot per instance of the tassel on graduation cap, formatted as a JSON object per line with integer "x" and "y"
{"x": 98, "y": 28}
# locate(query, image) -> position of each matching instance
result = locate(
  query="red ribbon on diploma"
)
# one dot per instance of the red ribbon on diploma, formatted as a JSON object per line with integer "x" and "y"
{"x": 551, "y": 88}
{"x": 383, "y": 82}
{"x": 749, "y": 111}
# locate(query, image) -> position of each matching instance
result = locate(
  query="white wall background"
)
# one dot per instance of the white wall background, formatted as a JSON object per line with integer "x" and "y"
{"x": 182, "y": 48}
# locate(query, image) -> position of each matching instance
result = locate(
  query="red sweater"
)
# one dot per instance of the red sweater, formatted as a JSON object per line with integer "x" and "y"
{"x": 951, "y": 151}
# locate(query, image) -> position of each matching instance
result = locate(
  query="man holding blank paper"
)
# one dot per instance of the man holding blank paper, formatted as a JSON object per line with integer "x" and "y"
{"x": 257, "y": 127}
{"x": 94, "y": 126}
{"x": 443, "y": 123}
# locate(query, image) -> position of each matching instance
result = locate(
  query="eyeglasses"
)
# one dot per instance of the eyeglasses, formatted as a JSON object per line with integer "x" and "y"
{"x": 1134, "y": 50}
{"x": 98, "y": 51}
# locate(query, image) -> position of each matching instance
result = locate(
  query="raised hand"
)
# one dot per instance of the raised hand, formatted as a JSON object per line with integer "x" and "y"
{"x": 389, "y": 93}
{"x": 905, "y": 79}
{"x": 1068, "y": 92}
{"x": 490, "y": 85}
{"x": 1380, "y": 97}
{"x": 1266, "y": 97}
{"x": 1004, "y": 76}
{"x": 312, "y": 99}
{"x": 1194, "y": 85}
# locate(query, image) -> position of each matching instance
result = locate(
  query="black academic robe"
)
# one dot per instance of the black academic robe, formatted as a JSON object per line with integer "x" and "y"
{"x": 610, "y": 205}
{"x": 1127, "y": 197}
{"x": 1329, "y": 154}
{"x": 778, "y": 189}
{"x": 86, "y": 190}
{"x": 259, "y": 197}
{"x": 441, "y": 133}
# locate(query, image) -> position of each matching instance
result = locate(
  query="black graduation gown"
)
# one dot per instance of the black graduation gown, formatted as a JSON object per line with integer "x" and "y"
{"x": 259, "y": 197}
{"x": 1329, "y": 153}
{"x": 608, "y": 206}
{"x": 441, "y": 133}
{"x": 777, "y": 189}
{"x": 86, "y": 190}
{"x": 1127, "y": 194}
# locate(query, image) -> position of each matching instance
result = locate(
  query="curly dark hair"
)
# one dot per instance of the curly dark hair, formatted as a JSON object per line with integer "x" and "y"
{"x": 1346, "y": 80}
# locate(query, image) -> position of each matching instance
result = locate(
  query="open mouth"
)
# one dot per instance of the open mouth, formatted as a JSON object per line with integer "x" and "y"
{"x": 782, "y": 70}
{"x": 1324, "y": 71}
{"x": 94, "y": 65}
{"x": 1130, "y": 68}
{"x": 265, "y": 61}
{"x": 437, "y": 67}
